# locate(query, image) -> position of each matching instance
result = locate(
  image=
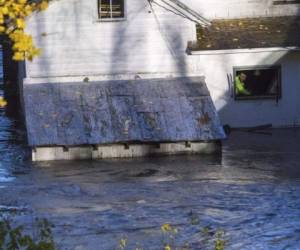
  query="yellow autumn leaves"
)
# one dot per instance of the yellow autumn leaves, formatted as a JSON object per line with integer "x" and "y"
{"x": 23, "y": 46}
{"x": 3, "y": 102}
{"x": 13, "y": 15}
{"x": 171, "y": 231}
{"x": 167, "y": 228}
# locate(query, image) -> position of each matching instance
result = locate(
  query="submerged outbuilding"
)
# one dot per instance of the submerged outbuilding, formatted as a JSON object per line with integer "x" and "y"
{"x": 90, "y": 120}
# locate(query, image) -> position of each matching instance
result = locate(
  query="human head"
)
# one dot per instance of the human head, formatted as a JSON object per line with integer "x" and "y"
{"x": 243, "y": 76}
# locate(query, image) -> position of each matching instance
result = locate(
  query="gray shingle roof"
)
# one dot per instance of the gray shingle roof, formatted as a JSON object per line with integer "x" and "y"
{"x": 165, "y": 110}
{"x": 248, "y": 33}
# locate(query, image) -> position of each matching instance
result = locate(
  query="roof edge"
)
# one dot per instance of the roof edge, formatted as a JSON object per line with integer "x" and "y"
{"x": 107, "y": 77}
{"x": 238, "y": 51}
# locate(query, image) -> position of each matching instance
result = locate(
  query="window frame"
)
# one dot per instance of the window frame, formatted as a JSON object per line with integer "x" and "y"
{"x": 285, "y": 2}
{"x": 276, "y": 97}
{"x": 111, "y": 19}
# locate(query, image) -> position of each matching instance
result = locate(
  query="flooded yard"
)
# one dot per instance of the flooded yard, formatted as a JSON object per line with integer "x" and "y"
{"x": 251, "y": 191}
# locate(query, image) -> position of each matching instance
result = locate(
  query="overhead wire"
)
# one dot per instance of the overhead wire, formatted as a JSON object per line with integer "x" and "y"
{"x": 183, "y": 6}
{"x": 178, "y": 12}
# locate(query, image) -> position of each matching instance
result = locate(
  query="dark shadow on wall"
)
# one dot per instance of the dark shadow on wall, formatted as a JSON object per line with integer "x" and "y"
{"x": 130, "y": 43}
{"x": 173, "y": 38}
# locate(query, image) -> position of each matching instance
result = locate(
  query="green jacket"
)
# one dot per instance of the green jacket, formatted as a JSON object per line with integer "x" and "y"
{"x": 240, "y": 87}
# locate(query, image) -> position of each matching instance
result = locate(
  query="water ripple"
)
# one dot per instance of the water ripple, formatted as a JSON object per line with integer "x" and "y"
{"x": 252, "y": 192}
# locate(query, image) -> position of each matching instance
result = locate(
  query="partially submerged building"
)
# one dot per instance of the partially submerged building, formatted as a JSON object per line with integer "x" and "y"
{"x": 122, "y": 78}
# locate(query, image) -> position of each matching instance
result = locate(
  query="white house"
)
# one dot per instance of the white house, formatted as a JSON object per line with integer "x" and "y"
{"x": 108, "y": 40}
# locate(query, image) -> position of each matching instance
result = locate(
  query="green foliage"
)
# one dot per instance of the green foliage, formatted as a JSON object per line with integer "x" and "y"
{"x": 14, "y": 238}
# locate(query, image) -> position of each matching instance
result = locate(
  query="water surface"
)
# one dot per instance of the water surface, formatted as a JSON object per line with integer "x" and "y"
{"x": 251, "y": 191}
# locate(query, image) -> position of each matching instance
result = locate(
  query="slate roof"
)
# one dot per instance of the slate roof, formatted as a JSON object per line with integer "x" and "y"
{"x": 157, "y": 110}
{"x": 248, "y": 33}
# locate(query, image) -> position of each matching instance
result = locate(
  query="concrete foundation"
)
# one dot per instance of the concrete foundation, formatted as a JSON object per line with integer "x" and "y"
{"x": 123, "y": 151}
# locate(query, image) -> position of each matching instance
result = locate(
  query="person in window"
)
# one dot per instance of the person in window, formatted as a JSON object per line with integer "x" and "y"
{"x": 240, "y": 88}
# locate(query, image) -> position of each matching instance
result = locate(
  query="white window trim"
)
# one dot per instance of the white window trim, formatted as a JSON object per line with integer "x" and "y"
{"x": 111, "y": 19}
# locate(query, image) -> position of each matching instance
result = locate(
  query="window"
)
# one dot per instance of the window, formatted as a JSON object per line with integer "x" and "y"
{"x": 111, "y": 9}
{"x": 282, "y": 2}
{"x": 257, "y": 83}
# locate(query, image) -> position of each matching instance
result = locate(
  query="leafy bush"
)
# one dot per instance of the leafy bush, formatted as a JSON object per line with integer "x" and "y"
{"x": 14, "y": 238}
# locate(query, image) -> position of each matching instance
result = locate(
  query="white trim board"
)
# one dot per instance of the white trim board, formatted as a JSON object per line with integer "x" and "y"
{"x": 238, "y": 51}
{"x": 123, "y": 151}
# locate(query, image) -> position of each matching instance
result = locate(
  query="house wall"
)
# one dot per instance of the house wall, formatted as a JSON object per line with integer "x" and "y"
{"x": 244, "y": 113}
{"x": 241, "y": 8}
{"x": 76, "y": 43}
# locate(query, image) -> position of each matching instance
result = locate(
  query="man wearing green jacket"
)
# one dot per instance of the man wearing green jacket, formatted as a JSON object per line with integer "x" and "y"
{"x": 240, "y": 88}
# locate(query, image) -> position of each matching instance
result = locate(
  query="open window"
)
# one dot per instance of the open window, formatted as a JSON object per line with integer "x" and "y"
{"x": 111, "y": 9}
{"x": 284, "y": 2}
{"x": 262, "y": 82}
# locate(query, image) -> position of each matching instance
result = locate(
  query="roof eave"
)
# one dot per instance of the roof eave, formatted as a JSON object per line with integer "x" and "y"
{"x": 239, "y": 51}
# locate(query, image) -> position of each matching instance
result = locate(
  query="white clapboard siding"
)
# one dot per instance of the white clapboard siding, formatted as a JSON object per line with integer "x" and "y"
{"x": 241, "y": 8}
{"x": 285, "y": 112}
{"x": 148, "y": 40}
{"x": 74, "y": 42}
